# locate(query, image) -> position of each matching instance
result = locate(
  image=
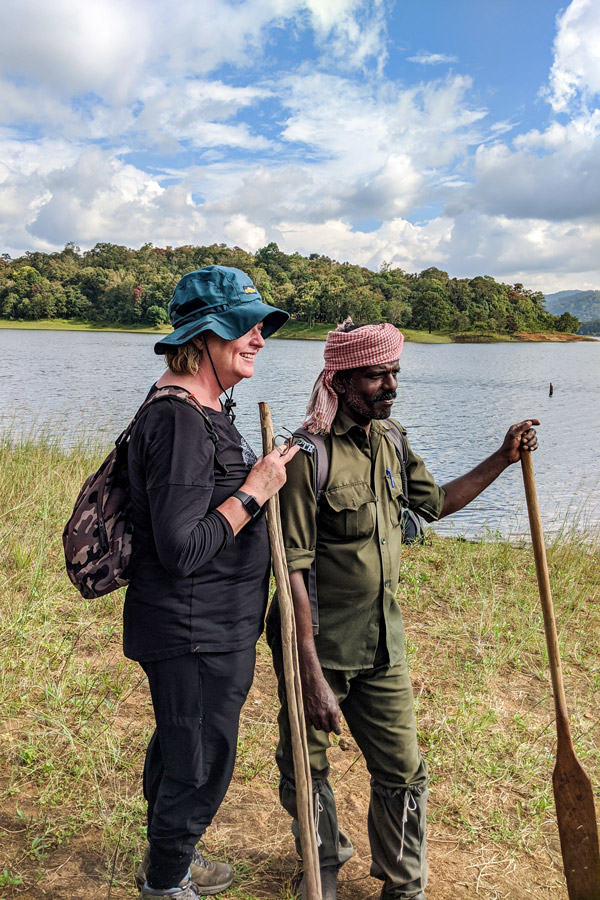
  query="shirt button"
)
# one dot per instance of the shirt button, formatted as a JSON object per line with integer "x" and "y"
{"x": 383, "y": 540}
{"x": 386, "y": 583}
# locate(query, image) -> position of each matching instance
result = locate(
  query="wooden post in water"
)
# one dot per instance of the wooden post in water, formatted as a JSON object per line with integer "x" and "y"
{"x": 293, "y": 687}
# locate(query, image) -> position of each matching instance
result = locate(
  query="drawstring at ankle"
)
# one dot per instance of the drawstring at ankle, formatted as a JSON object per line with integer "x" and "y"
{"x": 318, "y": 810}
{"x": 410, "y": 805}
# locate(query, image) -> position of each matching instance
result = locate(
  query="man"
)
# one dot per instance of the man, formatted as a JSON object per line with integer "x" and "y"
{"x": 351, "y": 644}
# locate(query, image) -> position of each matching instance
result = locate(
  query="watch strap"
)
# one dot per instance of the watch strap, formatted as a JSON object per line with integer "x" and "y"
{"x": 250, "y": 503}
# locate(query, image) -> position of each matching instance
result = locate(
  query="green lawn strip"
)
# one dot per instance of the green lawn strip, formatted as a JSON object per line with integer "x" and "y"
{"x": 72, "y": 325}
{"x": 292, "y": 330}
{"x": 76, "y": 715}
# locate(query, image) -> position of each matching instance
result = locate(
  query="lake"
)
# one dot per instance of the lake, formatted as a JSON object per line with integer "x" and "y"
{"x": 455, "y": 400}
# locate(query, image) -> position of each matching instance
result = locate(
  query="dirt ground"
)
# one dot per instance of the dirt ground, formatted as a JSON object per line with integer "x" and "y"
{"x": 252, "y": 832}
{"x": 557, "y": 336}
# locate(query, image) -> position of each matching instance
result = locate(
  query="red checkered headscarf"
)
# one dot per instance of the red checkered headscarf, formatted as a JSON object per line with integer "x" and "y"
{"x": 370, "y": 345}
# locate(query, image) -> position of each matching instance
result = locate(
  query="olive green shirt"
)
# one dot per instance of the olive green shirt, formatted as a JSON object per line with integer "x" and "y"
{"x": 356, "y": 539}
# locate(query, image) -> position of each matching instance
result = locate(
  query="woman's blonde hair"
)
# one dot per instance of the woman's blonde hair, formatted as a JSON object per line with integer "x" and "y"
{"x": 185, "y": 359}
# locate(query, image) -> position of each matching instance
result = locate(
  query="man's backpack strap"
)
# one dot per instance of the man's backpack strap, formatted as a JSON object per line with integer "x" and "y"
{"x": 413, "y": 527}
{"x": 314, "y": 444}
{"x": 395, "y": 435}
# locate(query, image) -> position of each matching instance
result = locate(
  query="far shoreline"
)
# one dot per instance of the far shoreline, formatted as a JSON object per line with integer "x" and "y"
{"x": 300, "y": 331}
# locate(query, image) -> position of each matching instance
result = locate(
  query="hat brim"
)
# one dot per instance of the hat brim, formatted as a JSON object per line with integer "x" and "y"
{"x": 229, "y": 325}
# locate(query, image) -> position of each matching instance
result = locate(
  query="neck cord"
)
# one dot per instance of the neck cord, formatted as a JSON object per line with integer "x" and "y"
{"x": 229, "y": 402}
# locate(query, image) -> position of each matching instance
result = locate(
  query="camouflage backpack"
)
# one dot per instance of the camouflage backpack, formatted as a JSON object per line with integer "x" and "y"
{"x": 97, "y": 539}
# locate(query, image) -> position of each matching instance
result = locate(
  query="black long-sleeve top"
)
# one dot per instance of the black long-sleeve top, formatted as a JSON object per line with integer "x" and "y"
{"x": 195, "y": 587}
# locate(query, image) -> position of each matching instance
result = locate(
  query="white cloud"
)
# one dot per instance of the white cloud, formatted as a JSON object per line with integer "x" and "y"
{"x": 534, "y": 251}
{"x": 575, "y": 73}
{"x": 196, "y": 111}
{"x": 553, "y": 175}
{"x": 240, "y": 232}
{"x": 164, "y": 123}
{"x": 98, "y": 46}
{"x": 432, "y": 59}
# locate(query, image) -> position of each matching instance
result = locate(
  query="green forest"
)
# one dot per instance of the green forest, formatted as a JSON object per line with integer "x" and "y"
{"x": 115, "y": 285}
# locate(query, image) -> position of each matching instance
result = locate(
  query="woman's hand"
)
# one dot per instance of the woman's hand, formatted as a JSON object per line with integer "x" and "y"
{"x": 268, "y": 475}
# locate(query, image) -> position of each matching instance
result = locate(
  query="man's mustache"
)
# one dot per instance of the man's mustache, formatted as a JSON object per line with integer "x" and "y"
{"x": 384, "y": 395}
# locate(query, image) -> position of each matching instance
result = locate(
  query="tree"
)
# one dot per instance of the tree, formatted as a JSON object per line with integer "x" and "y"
{"x": 156, "y": 315}
{"x": 430, "y": 308}
{"x": 307, "y": 302}
{"x": 567, "y": 323}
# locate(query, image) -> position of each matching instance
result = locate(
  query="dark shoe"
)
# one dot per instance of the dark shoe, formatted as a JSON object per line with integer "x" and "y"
{"x": 329, "y": 876}
{"x": 185, "y": 890}
{"x": 210, "y": 876}
{"x": 419, "y": 896}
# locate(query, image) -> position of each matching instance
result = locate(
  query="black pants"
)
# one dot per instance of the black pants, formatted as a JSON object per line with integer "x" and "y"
{"x": 197, "y": 700}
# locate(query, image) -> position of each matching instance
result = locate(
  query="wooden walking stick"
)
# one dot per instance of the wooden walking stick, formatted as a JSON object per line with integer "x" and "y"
{"x": 293, "y": 687}
{"x": 573, "y": 793}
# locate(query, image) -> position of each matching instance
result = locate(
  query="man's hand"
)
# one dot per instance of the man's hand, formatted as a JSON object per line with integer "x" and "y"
{"x": 518, "y": 438}
{"x": 460, "y": 491}
{"x": 320, "y": 706}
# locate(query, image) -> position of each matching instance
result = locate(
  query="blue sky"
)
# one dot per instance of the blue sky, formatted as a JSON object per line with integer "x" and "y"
{"x": 463, "y": 134}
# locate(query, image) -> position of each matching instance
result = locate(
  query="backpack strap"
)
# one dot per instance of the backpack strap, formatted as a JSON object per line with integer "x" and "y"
{"x": 314, "y": 444}
{"x": 413, "y": 528}
{"x": 183, "y": 396}
{"x": 395, "y": 435}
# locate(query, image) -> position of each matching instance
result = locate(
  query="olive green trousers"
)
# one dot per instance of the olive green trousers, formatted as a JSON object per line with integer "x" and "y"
{"x": 378, "y": 707}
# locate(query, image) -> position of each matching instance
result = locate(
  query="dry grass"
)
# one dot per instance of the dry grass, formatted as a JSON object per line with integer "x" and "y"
{"x": 75, "y": 716}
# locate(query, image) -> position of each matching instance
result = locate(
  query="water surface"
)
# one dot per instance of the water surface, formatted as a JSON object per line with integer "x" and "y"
{"x": 456, "y": 401}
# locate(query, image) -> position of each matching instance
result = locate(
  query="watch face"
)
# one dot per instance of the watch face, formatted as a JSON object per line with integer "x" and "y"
{"x": 252, "y": 506}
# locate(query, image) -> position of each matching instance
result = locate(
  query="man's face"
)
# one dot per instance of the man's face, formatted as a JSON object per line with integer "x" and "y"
{"x": 370, "y": 392}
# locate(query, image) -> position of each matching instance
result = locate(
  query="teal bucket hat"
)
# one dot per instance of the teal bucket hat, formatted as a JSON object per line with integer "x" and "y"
{"x": 219, "y": 299}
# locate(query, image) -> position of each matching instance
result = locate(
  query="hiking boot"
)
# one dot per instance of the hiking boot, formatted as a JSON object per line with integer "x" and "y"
{"x": 419, "y": 896}
{"x": 185, "y": 890}
{"x": 210, "y": 876}
{"x": 329, "y": 876}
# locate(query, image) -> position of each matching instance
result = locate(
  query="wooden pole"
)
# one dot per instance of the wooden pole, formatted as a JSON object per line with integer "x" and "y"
{"x": 573, "y": 795}
{"x": 293, "y": 687}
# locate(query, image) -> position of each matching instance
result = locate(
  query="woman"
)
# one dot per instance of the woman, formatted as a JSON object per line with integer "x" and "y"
{"x": 195, "y": 605}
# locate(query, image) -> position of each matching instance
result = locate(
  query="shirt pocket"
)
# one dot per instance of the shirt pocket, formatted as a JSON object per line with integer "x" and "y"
{"x": 348, "y": 512}
{"x": 396, "y": 499}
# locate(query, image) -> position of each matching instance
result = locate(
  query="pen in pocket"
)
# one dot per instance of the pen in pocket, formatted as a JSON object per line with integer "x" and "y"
{"x": 390, "y": 476}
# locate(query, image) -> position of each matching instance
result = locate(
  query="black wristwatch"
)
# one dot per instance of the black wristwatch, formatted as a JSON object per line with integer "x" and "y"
{"x": 250, "y": 503}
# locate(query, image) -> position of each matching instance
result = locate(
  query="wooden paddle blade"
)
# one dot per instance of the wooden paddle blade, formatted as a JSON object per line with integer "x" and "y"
{"x": 577, "y": 826}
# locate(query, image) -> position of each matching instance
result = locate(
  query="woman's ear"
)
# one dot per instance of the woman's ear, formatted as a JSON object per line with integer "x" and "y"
{"x": 198, "y": 343}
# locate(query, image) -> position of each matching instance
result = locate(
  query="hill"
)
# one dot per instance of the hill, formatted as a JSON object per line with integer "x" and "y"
{"x": 585, "y": 305}
{"x": 116, "y": 285}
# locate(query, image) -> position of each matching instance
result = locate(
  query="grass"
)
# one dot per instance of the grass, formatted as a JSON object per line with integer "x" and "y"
{"x": 74, "y": 325}
{"x": 302, "y": 331}
{"x": 293, "y": 330}
{"x": 76, "y": 716}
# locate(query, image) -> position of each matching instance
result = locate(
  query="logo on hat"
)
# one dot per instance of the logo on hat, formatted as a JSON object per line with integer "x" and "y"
{"x": 249, "y": 289}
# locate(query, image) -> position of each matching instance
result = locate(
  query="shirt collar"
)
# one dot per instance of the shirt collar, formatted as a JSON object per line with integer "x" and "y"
{"x": 342, "y": 424}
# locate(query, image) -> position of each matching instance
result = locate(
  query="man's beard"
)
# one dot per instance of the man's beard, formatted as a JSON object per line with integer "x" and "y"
{"x": 369, "y": 409}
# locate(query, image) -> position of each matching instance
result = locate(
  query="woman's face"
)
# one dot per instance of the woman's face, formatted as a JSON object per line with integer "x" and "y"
{"x": 234, "y": 360}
